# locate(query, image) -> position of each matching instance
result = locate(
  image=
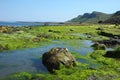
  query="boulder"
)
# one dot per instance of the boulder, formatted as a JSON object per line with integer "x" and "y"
{"x": 57, "y": 56}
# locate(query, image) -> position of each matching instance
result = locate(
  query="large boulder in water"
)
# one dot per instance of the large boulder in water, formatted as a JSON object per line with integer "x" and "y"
{"x": 56, "y": 56}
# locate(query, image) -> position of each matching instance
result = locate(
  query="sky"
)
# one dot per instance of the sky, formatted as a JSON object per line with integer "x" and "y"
{"x": 53, "y": 10}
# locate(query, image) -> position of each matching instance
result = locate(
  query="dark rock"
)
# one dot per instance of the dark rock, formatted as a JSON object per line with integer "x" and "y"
{"x": 99, "y": 29}
{"x": 50, "y": 30}
{"x": 5, "y": 47}
{"x": 98, "y": 46}
{"x": 1, "y": 47}
{"x": 116, "y": 37}
{"x": 89, "y": 36}
{"x": 111, "y": 42}
{"x": 112, "y": 54}
{"x": 43, "y": 35}
{"x": 95, "y": 44}
{"x": 92, "y": 78}
{"x": 110, "y": 35}
{"x": 57, "y": 56}
{"x": 56, "y": 31}
{"x": 103, "y": 77}
{"x": 71, "y": 30}
{"x": 36, "y": 39}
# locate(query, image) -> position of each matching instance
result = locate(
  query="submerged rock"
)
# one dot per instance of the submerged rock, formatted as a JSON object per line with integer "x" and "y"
{"x": 56, "y": 56}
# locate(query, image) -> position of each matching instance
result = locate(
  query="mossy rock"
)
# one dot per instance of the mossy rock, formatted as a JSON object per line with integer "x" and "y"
{"x": 57, "y": 56}
{"x": 98, "y": 46}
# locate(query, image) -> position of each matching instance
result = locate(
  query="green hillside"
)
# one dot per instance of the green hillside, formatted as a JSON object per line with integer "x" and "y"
{"x": 93, "y": 17}
{"x": 114, "y": 19}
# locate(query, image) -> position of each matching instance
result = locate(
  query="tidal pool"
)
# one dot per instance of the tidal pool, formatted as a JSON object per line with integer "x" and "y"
{"x": 29, "y": 60}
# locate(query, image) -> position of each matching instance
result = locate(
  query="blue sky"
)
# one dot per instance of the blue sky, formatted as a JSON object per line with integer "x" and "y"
{"x": 52, "y": 10}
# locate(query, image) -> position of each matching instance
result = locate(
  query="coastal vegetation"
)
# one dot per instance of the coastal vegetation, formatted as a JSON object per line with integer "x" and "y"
{"x": 108, "y": 68}
{"x": 103, "y": 67}
{"x": 12, "y": 38}
{"x": 60, "y": 40}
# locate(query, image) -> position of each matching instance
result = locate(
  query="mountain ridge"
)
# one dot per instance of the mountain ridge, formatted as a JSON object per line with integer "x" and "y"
{"x": 93, "y": 17}
{"x": 114, "y": 19}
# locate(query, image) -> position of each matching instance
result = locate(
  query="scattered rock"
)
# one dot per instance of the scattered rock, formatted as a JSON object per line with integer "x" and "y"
{"x": 116, "y": 37}
{"x": 92, "y": 78}
{"x": 103, "y": 77}
{"x": 56, "y": 56}
{"x": 89, "y": 36}
{"x": 99, "y": 28}
{"x": 98, "y": 46}
{"x": 20, "y": 32}
{"x": 112, "y": 54}
{"x": 1, "y": 47}
{"x": 118, "y": 69}
{"x": 43, "y": 35}
{"x": 111, "y": 42}
{"x": 50, "y": 30}
{"x": 5, "y": 47}
{"x": 71, "y": 30}
{"x": 36, "y": 39}
{"x": 54, "y": 31}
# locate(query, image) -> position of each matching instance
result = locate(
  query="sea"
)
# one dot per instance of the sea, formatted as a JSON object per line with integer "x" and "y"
{"x": 18, "y": 24}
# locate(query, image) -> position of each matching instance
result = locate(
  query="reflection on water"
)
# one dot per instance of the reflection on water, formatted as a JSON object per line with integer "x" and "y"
{"x": 28, "y": 60}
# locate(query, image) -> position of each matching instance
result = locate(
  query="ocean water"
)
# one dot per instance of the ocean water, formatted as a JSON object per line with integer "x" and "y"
{"x": 16, "y": 24}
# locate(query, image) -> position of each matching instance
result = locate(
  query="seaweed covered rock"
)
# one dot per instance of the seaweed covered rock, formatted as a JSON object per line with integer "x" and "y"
{"x": 5, "y": 47}
{"x": 112, "y": 54}
{"x": 98, "y": 46}
{"x": 111, "y": 42}
{"x": 36, "y": 39}
{"x": 103, "y": 77}
{"x": 56, "y": 56}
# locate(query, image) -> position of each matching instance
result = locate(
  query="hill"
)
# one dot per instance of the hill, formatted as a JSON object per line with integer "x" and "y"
{"x": 114, "y": 19}
{"x": 93, "y": 17}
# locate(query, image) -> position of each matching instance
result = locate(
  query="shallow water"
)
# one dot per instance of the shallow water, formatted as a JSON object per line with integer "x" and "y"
{"x": 28, "y": 60}
{"x": 80, "y": 35}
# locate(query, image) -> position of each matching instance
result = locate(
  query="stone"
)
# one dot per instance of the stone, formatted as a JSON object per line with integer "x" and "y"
{"x": 98, "y": 46}
{"x": 111, "y": 42}
{"x": 36, "y": 39}
{"x": 112, "y": 54}
{"x": 92, "y": 78}
{"x": 57, "y": 56}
